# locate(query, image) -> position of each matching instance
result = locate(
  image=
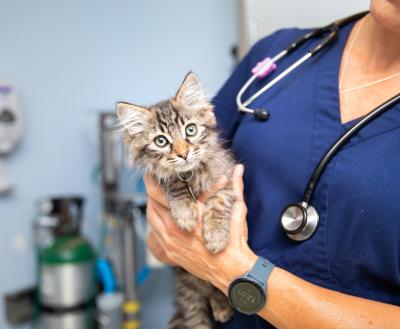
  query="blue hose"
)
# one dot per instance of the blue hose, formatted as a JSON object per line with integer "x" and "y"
{"x": 105, "y": 275}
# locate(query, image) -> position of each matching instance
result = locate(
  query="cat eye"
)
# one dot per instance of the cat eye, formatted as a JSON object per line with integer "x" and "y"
{"x": 191, "y": 130}
{"x": 161, "y": 141}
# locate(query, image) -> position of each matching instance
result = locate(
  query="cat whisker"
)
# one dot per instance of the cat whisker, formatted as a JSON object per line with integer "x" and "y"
{"x": 135, "y": 171}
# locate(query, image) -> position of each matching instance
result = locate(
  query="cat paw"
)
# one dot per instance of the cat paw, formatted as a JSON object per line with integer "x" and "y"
{"x": 216, "y": 220}
{"x": 222, "y": 311}
{"x": 215, "y": 242}
{"x": 223, "y": 314}
{"x": 201, "y": 326}
{"x": 215, "y": 236}
{"x": 185, "y": 217}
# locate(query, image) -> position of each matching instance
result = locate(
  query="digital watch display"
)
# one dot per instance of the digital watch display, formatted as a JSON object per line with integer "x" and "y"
{"x": 247, "y": 294}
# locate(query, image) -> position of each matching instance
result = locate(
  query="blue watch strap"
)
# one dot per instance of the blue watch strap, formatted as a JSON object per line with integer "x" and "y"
{"x": 261, "y": 270}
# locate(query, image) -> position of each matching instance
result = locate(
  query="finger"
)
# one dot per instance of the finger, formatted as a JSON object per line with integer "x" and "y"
{"x": 237, "y": 181}
{"x": 156, "y": 248}
{"x": 157, "y": 251}
{"x": 169, "y": 226}
{"x": 154, "y": 191}
{"x": 239, "y": 211}
{"x": 238, "y": 220}
{"x": 245, "y": 231}
{"x": 222, "y": 181}
{"x": 153, "y": 245}
{"x": 158, "y": 229}
{"x": 154, "y": 218}
{"x": 161, "y": 221}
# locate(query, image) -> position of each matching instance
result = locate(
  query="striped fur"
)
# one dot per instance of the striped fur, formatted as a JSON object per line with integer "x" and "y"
{"x": 197, "y": 302}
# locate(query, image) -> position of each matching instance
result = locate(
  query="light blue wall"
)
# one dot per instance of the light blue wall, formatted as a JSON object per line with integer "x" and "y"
{"x": 71, "y": 59}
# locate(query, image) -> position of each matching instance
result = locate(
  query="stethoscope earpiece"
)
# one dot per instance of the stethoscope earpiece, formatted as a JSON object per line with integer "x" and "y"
{"x": 260, "y": 114}
{"x": 299, "y": 221}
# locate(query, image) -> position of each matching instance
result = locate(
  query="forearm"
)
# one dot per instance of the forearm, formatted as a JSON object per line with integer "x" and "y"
{"x": 296, "y": 303}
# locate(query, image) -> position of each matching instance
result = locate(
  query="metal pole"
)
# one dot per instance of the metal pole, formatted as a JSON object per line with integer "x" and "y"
{"x": 122, "y": 207}
{"x": 109, "y": 172}
{"x": 131, "y": 305}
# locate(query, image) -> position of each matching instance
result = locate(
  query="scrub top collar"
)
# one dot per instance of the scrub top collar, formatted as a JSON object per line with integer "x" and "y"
{"x": 327, "y": 92}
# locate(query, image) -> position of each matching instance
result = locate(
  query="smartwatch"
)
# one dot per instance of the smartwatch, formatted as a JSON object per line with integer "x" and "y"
{"x": 248, "y": 293}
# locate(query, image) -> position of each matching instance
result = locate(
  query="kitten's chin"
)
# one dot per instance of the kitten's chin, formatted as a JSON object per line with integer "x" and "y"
{"x": 187, "y": 166}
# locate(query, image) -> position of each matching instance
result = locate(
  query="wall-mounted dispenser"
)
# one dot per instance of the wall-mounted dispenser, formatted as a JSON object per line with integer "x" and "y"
{"x": 10, "y": 129}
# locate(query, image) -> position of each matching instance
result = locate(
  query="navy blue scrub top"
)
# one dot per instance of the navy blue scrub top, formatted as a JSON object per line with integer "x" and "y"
{"x": 356, "y": 249}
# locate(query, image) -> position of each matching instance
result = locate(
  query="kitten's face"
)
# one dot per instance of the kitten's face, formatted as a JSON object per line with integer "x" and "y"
{"x": 172, "y": 136}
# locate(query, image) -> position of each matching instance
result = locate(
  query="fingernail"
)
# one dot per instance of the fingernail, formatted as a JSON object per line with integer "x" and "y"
{"x": 239, "y": 169}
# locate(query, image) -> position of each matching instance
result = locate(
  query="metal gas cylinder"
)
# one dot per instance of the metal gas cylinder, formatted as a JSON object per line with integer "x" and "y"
{"x": 66, "y": 263}
{"x": 66, "y": 272}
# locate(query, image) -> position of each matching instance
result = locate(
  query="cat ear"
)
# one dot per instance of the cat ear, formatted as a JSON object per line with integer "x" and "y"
{"x": 133, "y": 118}
{"x": 191, "y": 93}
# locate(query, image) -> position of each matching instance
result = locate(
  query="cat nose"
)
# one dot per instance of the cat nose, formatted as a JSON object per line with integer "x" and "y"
{"x": 183, "y": 155}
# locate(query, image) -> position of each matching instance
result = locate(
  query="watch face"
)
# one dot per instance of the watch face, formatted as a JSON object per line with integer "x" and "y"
{"x": 246, "y": 296}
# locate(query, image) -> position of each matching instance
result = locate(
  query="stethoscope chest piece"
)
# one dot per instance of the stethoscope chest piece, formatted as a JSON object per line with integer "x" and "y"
{"x": 299, "y": 222}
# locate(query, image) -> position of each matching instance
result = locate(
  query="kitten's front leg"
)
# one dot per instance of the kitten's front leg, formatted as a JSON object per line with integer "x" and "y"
{"x": 183, "y": 208}
{"x": 216, "y": 219}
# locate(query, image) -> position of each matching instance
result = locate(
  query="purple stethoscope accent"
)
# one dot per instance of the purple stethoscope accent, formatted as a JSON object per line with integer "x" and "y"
{"x": 264, "y": 68}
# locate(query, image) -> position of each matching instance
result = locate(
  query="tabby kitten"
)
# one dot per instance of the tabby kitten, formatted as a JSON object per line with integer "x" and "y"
{"x": 177, "y": 144}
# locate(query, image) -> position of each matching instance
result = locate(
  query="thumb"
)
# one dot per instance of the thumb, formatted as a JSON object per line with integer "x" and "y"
{"x": 239, "y": 210}
{"x": 237, "y": 181}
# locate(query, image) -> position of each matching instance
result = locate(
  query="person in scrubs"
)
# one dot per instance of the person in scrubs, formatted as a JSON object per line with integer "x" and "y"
{"x": 348, "y": 274}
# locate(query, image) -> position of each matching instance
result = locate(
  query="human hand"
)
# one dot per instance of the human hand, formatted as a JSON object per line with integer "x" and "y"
{"x": 187, "y": 250}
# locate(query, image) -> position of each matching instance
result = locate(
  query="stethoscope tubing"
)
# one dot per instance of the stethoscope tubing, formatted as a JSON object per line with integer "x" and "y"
{"x": 340, "y": 142}
{"x": 333, "y": 30}
{"x": 274, "y": 81}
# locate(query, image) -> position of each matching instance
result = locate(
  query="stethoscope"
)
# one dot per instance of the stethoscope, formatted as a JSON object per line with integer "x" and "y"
{"x": 300, "y": 220}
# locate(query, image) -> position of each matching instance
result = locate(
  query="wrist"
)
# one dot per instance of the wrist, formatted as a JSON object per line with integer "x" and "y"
{"x": 234, "y": 266}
